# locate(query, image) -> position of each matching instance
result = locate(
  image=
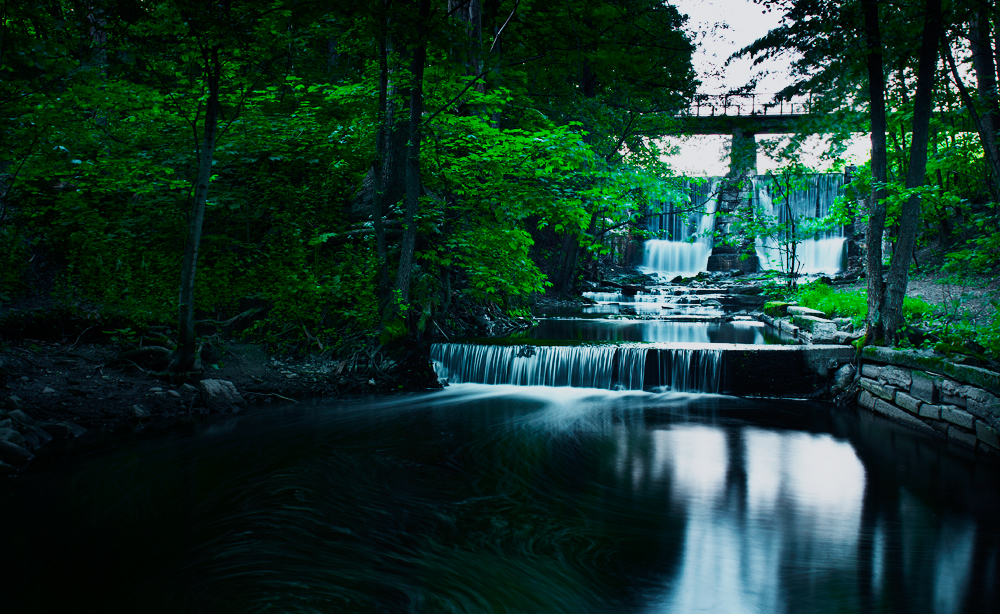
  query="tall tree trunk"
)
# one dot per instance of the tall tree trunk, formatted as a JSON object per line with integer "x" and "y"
{"x": 982, "y": 122}
{"x": 876, "y": 205}
{"x": 184, "y": 357}
{"x": 981, "y": 45}
{"x": 923, "y": 103}
{"x": 409, "y": 241}
{"x": 381, "y": 141}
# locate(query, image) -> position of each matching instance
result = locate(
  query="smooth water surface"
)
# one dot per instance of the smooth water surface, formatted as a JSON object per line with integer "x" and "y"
{"x": 504, "y": 499}
{"x": 653, "y": 331}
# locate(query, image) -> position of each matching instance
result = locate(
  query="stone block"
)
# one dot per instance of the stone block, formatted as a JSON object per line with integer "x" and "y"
{"x": 987, "y": 434}
{"x": 984, "y": 405}
{"x": 922, "y": 387}
{"x": 960, "y": 417}
{"x": 895, "y": 376}
{"x": 948, "y": 387}
{"x": 844, "y": 324}
{"x": 930, "y": 411}
{"x": 819, "y": 327}
{"x": 907, "y": 402}
{"x": 867, "y": 400}
{"x": 957, "y": 435}
{"x": 891, "y": 411}
{"x": 886, "y": 392}
{"x": 951, "y": 399}
{"x": 870, "y": 371}
{"x": 798, "y": 310}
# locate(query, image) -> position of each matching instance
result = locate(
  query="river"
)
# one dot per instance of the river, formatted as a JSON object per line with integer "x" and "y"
{"x": 483, "y": 498}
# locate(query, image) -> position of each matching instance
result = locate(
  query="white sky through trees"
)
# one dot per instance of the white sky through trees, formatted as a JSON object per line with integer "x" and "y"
{"x": 719, "y": 28}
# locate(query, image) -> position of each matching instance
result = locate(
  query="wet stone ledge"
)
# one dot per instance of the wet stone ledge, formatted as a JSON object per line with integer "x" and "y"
{"x": 956, "y": 402}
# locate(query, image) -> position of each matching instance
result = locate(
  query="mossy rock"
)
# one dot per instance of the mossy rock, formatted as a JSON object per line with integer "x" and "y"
{"x": 966, "y": 374}
{"x": 777, "y": 309}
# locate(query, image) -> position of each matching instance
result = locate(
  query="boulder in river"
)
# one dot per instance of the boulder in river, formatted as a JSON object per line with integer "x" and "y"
{"x": 14, "y": 454}
{"x": 221, "y": 395}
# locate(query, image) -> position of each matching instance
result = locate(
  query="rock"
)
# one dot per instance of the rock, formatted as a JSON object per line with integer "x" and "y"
{"x": 967, "y": 440}
{"x": 842, "y": 338}
{"x": 816, "y": 325}
{"x": 895, "y": 376}
{"x": 173, "y": 393}
{"x": 6, "y": 423}
{"x": 62, "y": 430}
{"x": 140, "y": 412}
{"x": 48, "y": 390}
{"x": 14, "y": 402}
{"x": 36, "y": 437}
{"x": 957, "y": 416}
{"x": 221, "y": 395}
{"x": 156, "y": 389}
{"x": 12, "y": 436}
{"x": 843, "y": 377}
{"x": 907, "y": 402}
{"x": 188, "y": 388}
{"x": 79, "y": 392}
{"x": 870, "y": 371}
{"x": 72, "y": 381}
{"x": 798, "y": 310}
{"x": 22, "y": 417}
{"x": 6, "y": 469}
{"x": 922, "y": 387}
{"x": 987, "y": 434}
{"x": 14, "y": 454}
{"x": 844, "y": 324}
{"x": 886, "y": 392}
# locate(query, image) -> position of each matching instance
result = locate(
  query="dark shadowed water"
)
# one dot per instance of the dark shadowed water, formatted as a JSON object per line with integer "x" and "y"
{"x": 502, "y": 499}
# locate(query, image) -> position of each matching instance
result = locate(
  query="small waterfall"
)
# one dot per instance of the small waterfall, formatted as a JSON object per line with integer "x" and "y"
{"x": 597, "y": 366}
{"x": 593, "y": 366}
{"x": 821, "y": 254}
{"x": 689, "y": 370}
{"x": 681, "y": 220}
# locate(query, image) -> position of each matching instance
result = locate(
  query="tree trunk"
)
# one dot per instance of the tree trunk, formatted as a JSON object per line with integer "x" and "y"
{"x": 876, "y": 206}
{"x": 923, "y": 103}
{"x": 986, "y": 81}
{"x": 381, "y": 141}
{"x": 409, "y": 241}
{"x": 183, "y": 359}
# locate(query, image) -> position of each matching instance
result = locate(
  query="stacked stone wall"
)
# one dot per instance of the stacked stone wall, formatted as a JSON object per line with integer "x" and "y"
{"x": 943, "y": 399}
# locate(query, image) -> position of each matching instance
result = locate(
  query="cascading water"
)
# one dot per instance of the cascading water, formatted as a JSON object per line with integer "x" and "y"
{"x": 690, "y": 370}
{"x": 595, "y": 366}
{"x": 687, "y": 250}
{"x": 823, "y": 253}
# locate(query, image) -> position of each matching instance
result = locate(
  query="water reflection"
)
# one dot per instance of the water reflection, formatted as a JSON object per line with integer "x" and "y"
{"x": 515, "y": 499}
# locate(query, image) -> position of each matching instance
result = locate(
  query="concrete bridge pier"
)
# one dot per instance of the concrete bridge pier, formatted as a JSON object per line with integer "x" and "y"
{"x": 736, "y": 192}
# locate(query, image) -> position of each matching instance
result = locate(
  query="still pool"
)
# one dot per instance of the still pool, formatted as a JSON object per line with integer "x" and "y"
{"x": 504, "y": 499}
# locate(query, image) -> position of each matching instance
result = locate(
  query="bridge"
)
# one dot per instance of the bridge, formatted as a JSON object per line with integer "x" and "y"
{"x": 746, "y": 115}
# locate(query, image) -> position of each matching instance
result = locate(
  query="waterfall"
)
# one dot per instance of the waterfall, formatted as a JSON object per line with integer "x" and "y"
{"x": 594, "y": 366}
{"x": 821, "y": 254}
{"x": 677, "y": 255}
{"x": 689, "y": 370}
{"x": 589, "y": 366}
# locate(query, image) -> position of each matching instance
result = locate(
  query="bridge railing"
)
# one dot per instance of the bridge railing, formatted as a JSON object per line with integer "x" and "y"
{"x": 709, "y": 105}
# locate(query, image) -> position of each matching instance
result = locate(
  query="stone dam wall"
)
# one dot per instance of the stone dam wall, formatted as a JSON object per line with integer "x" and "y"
{"x": 946, "y": 400}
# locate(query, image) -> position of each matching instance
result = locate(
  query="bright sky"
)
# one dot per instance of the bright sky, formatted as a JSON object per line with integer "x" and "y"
{"x": 719, "y": 28}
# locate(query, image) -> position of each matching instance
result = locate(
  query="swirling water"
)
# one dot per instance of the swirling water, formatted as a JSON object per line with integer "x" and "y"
{"x": 512, "y": 499}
